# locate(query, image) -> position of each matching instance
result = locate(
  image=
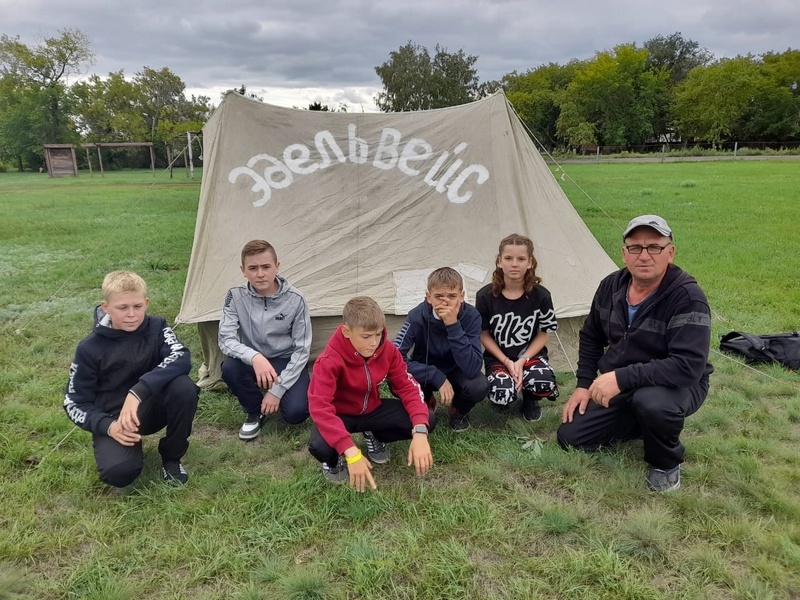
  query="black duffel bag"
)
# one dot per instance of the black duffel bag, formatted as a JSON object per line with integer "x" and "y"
{"x": 782, "y": 348}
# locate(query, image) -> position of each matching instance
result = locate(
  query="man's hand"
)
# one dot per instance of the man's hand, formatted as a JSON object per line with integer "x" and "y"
{"x": 579, "y": 399}
{"x": 129, "y": 415}
{"x": 265, "y": 374}
{"x": 270, "y": 404}
{"x": 124, "y": 437}
{"x": 446, "y": 393}
{"x": 604, "y": 388}
{"x": 360, "y": 471}
{"x": 448, "y": 312}
{"x": 419, "y": 454}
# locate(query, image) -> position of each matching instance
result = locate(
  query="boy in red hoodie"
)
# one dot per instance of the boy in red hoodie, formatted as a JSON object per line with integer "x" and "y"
{"x": 343, "y": 398}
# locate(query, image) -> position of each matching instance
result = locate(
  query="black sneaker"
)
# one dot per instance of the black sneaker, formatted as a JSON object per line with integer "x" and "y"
{"x": 659, "y": 480}
{"x": 531, "y": 410}
{"x": 376, "y": 449}
{"x": 459, "y": 422}
{"x": 251, "y": 427}
{"x": 336, "y": 474}
{"x": 173, "y": 472}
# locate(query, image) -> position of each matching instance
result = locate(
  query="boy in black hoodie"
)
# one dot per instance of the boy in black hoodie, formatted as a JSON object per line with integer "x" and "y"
{"x": 129, "y": 378}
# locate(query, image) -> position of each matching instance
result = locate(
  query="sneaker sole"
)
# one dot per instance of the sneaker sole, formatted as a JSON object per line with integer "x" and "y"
{"x": 530, "y": 420}
{"x": 249, "y": 436}
{"x": 380, "y": 461}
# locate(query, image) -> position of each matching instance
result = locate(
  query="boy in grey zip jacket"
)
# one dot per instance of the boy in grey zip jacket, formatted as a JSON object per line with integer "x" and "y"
{"x": 265, "y": 332}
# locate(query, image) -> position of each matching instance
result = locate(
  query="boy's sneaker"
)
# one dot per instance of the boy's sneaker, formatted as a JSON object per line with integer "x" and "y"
{"x": 251, "y": 427}
{"x": 173, "y": 472}
{"x": 459, "y": 422}
{"x": 337, "y": 473}
{"x": 376, "y": 449}
{"x": 659, "y": 480}
{"x": 531, "y": 410}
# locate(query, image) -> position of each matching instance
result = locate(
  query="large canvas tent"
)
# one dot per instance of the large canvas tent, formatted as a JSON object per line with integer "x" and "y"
{"x": 369, "y": 204}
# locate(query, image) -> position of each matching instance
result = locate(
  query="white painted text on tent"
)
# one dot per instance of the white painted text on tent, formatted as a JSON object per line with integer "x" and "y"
{"x": 411, "y": 158}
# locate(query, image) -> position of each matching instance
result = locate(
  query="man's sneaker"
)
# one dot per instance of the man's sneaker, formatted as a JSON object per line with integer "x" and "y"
{"x": 664, "y": 481}
{"x": 376, "y": 449}
{"x": 336, "y": 474}
{"x": 459, "y": 422}
{"x": 173, "y": 472}
{"x": 531, "y": 410}
{"x": 251, "y": 427}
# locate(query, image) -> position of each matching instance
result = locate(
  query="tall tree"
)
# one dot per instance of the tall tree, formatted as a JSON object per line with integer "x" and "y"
{"x": 675, "y": 55}
{"x": 536, "y": 96}
{"x": 413, "y": 80}
{"x": 711, "y": 104}
{"x": 37, "y": 95}
{"x": 615, "y": 95}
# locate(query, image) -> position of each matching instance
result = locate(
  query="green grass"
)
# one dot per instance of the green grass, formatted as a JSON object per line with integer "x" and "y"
{"x": 504, "y": 514}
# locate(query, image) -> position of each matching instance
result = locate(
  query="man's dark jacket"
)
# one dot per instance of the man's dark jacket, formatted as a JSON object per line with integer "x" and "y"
{"x": 667, "y": 344}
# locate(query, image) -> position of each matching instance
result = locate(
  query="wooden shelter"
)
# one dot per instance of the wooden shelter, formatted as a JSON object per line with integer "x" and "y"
{"x": 60, "y": 159}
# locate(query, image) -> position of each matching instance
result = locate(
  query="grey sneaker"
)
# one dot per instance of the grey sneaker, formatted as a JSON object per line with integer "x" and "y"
{"x": 251, "y": 427}
{"x": 376, "y": 449}
{"x": 531, "y": 409}
{"x": 173, "y": 472}
{"x": 336, "y": 474}
{"x": 664, "y": 481}
{"x": 459, "y": 422}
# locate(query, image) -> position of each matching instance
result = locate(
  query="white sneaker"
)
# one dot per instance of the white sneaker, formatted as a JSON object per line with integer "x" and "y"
{"x": 251, "y": 427}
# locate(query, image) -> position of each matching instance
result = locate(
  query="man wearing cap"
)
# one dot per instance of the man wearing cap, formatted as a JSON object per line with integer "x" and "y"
{"x": 648, "y": 335}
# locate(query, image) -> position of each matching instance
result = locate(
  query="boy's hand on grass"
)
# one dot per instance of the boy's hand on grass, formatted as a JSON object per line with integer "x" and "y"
{"x": 360, "y": 472}
{"x": 446, "y": 393}
{"x": 419, "y": 454}
{"x": 265, "y": 373}
{"x": 129, "y": 415}
{"x": 270, "y": 404}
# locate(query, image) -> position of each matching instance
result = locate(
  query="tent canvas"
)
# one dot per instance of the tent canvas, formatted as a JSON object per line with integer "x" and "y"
{"x": 369, "y": 204}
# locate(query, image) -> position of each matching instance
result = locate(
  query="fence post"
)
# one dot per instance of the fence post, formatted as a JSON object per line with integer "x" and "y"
{"x": 735, "y": 148}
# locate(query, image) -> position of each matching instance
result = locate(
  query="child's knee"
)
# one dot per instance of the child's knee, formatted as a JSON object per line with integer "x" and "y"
{"x": 120, "y": 474}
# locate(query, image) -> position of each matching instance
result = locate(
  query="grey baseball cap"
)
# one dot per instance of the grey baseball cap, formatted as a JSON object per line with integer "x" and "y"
{"x": 652, "y": 221}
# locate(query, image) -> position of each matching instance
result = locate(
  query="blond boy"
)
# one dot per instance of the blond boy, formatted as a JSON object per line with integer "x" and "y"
{"x": 129, "y": 378}
{"x": 344, "y": 398}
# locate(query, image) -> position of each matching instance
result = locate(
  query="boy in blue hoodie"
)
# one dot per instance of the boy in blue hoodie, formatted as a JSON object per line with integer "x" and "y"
{"x": 442, "y": 335}
{"x": 265, "y": 332}
{"x": 129, "y": 378}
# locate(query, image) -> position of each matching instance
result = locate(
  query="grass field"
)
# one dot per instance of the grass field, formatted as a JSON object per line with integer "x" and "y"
{"x": 504, "y": 514}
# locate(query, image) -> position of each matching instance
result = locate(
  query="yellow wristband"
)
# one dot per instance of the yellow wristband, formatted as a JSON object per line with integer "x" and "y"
{"x": 354, "y": 459}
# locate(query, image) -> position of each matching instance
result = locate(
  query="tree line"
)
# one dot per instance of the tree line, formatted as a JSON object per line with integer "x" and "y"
{"x": 669, "y": 89}
{"x": 38, "y": 106}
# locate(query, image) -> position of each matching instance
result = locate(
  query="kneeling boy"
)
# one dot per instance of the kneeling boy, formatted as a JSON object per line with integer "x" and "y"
{"x": 130, "y": 378}
{"x": 265, "y": 332}
{"x": 344, "y": 398}
{"x": 445, "y": 334}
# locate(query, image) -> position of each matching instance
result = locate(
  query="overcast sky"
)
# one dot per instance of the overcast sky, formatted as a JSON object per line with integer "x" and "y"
{"x": 295, "y": 52}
